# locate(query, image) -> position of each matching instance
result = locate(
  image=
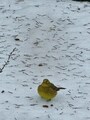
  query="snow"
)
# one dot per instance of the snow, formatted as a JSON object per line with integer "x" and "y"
{"x": 44, "y": 39}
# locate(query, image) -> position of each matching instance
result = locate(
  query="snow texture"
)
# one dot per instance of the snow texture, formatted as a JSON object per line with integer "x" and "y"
{"x": 44, "y": 39}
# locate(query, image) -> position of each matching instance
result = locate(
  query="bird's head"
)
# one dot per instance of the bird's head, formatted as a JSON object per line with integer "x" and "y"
{"x": 45, "y": 82}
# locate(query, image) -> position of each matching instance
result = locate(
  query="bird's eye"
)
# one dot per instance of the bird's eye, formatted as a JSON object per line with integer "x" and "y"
{"x": 46, "y": 81}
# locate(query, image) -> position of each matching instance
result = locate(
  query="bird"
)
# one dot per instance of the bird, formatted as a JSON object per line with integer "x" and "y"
{"x": 48, "y": 90}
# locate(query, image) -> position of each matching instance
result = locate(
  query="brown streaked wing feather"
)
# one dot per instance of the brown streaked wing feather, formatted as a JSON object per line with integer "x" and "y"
{"x": 52, "y": 91}
{"x": 54, "y": 87}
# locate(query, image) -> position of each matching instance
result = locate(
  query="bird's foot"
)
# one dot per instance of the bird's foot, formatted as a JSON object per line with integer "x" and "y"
{"x": 48, "y": 100}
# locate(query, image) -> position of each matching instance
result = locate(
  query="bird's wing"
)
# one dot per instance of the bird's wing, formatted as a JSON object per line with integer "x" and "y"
{"x": 52, "y": 91}
{"x": 53, "y": 87}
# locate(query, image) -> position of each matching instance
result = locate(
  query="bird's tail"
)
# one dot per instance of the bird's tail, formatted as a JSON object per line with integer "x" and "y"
{"x": 60, "y": 88}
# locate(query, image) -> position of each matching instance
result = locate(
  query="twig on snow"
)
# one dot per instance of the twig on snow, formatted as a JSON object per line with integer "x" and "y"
{"x": 8, "y": 60}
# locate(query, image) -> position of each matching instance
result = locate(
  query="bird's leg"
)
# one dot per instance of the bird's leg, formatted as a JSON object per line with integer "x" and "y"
{"x": 48, "y": 100}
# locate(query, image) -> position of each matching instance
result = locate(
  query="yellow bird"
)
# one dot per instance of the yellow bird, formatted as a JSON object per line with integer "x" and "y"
{"x": 48, "y": 90}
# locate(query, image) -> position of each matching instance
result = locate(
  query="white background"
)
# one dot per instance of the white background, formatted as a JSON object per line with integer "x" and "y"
{"x": 44, "y": 39}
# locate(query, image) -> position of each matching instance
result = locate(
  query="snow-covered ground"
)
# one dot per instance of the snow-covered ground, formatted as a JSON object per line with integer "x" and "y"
{"x": 44, "y": 39}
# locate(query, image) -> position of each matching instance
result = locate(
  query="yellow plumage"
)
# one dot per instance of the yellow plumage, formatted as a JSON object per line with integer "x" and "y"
{"x": 48, "y": 90}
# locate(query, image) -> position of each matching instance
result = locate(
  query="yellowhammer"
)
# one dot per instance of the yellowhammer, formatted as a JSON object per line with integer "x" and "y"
{"x": 48, "y": 90}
